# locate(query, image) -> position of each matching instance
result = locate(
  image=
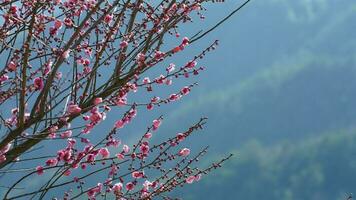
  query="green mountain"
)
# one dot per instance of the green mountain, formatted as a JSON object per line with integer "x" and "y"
{"x": 322, "y": 168}
{"x": 310, "y": 89}
{"x": 285, "y": 105}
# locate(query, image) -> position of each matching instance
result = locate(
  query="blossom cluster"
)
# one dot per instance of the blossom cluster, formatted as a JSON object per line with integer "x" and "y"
{"x": 67, "y": 64}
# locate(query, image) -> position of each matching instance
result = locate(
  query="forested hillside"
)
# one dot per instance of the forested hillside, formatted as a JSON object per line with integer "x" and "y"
{"x": 319, "y": 168}
{"x": 287, "y": 109}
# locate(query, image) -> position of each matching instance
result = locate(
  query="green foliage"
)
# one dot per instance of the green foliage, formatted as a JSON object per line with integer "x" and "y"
{"x": 319, "y": 168}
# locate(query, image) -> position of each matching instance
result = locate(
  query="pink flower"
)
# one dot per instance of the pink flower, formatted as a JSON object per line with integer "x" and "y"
{"x": 66, "y": 54}
{"x": 13, "y": 9}
{"x": 117, "y": 187}
{"x": 144, "y": 148}
{"x": 67, "y": 172}
{"x": 121, "y": 101}
{"x": 190, "y": 179}
{"x": 177, "y": 49}
{"x": 158, "y": 55}
{"x": 86, "y": 70}
{"x": 185, "y": 41}
{"x": 66, "y": 134}
{"x": 98, "y": 100}
{"x": 119, "y": 124}
{"x": 38, "y": 83}
{"x": 83, "y": 166}
{"x": 104, "y": 152}
{"x": 170, "y": 68}
{"x": 48, "y": 68}
{"x": 156, "y": 124}
{"x": 185, "y": 90}
{"x": 95, "y": 117}
{"x": 4, "y": 78}
{"x": 11, "y": 66}
{"x": 108, "y": 19}
{"x": 123, "y": 44}
{"x": 174, "y": 97}
{"x": 141, "y": 57}
{"x": 169, "y": 82}
{"x": 51, "y": 162}
{"x": 191, "y": 64}
{"x": 126, "y": 149}
{"x": 148, "y": 135}
{"x": 155, "y": 100}
{"x": 58, "y": 24}
{"x": 90, "y": 158}
{"x": 146, "y": 80}
{"x": 120, "y": 156}
{"x": 74, "y": 109}
{"x": 180, "y": 137}
{"x": 137, "y": 174}
{"x": 113, "y": 170}
{"x": 39, "y": 170}
{"x": 184, "y": 152}
{"x": 149, "y": 106}
{"x": 68, "y": 22}
{"x": 91, "y": 193}
{"x": 130, "y": 186}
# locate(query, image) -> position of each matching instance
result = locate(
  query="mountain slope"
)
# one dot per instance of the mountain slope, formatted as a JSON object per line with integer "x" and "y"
{"x": 322, "y": 168}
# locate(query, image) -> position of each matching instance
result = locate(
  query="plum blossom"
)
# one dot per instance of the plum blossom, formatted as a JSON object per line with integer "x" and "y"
{"x": 149, "y": 106}
{"x": 185, "y": 41}
{"x": 146, "y": 80}
{"x": 191, "y": 64}
{"x": 38, "y": 83}
{"x": 174, "y": 97}
{"x": 47, "y": 68}
{"x": 123, "y": 44}
{"x": 144, "y": 148}
{"x": 184, "y": 152}
{"x": 39, "y": 170}
{"x": 51, "y": 162}
{"x": 190, "y": 179}
{"x": 148, "y": 135}
{"x": 119, "y": 124}
{"x": 170, "y": 68}
{"x": 126, "y": 149}
{"x": 11, "y": 66}
{"x": 104, "y": 152}
{"x": 185, "y": 90}
{"x": 74, "y": 109}
{"x": 66, "y": 134}
{"x": 130, "y": 186}
{"x": 156, "y": 124}
{"x": 68, "y": 22}
{"x": 57, "y": 24}
{"x": 98, "y": 100}
{"x": 180, "y": 137}
{"x": 117, "y": 187}
{"x": 120, "y": 156}
{"x": 108, "y": 19}
{"x": 66, "y": 54}
{"x": 137, "y": 174}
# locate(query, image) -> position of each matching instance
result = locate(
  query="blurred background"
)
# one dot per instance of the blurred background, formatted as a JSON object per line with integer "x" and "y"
{"x": 280, "y": 93}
